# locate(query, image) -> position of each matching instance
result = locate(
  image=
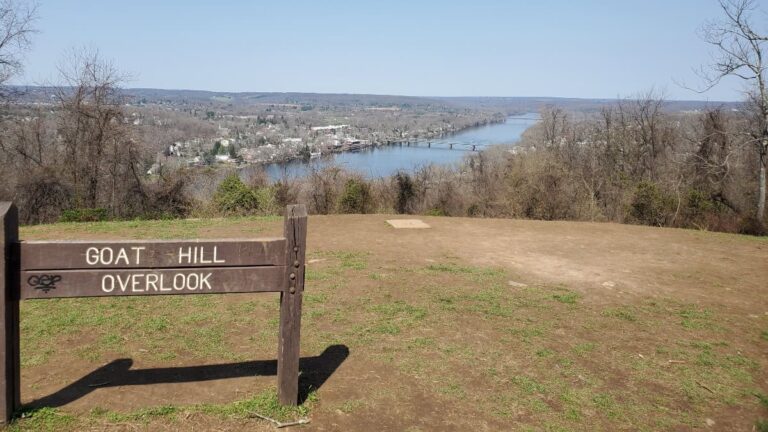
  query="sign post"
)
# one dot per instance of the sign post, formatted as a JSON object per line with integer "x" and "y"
{"x": 10, "y": 383}
{"x": 290, "y": 307}
{"x": 55, "y": 269}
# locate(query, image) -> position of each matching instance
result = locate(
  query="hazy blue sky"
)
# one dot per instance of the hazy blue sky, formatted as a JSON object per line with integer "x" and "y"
{"x": 595, "y": 48}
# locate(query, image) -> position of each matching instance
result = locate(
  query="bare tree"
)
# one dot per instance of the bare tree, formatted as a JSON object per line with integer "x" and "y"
{"x": 16, "y": 21}
{"x": 739, "y": 53}
{"x": 100, "y": 154}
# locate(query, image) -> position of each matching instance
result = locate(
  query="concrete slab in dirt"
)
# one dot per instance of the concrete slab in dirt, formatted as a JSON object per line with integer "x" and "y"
{"x": 407, "y": 223}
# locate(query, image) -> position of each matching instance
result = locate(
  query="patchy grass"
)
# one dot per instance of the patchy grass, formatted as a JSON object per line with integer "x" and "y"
{"x": 761, "y": 425}
{"x": 161, "y": 328}
{"x": 144, "y": 415}
{"x": 351, "y": 406}
{"x": 626, "y": 313}
{"x": 43, "y": 419}
{"x": 695, "y": 318}
{"x": 354, "y": 260}
{"x": 158, "y": 229}
{"x": 264, "y": 403}
{"x": 449, "y": 335}
{"x": 568, "y": 298}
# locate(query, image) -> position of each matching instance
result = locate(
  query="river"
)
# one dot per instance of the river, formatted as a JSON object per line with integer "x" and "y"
{"x": 386, "y": 160}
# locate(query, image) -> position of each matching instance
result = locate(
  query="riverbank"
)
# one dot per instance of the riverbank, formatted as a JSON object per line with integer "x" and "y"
{"x": 373, "y": 140}
{"x": 387, "y": 159}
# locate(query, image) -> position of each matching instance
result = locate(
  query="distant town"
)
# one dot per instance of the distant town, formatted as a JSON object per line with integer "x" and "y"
{"x": 277, "y": 133}
{"x": 218, "y": 129}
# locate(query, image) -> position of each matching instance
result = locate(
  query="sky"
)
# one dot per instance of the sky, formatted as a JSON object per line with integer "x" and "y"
{"x": 556, "y": 48}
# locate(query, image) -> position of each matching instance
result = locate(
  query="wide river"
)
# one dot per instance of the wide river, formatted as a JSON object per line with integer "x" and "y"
{"x": 386, "y": 160}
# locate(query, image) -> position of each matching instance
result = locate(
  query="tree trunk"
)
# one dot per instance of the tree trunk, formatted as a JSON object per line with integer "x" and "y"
{"x": 762, "y": 152}
{"x": 761, "y": 190}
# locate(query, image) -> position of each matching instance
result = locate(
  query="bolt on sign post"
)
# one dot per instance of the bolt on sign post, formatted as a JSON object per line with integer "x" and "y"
{"x": 54, "y": 269}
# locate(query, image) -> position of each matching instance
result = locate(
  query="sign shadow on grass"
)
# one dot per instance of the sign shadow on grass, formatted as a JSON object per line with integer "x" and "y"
{"x": 314, "y": 371}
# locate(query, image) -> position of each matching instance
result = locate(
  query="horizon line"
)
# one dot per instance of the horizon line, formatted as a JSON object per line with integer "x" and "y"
{"x": 616, "y": 98}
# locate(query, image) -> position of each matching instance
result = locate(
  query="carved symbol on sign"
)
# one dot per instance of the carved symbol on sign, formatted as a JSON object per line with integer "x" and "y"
{"x": 44, "y": 282}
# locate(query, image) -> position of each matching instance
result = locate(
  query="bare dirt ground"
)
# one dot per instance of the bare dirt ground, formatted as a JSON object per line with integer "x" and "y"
{"x": 473, "y": 324}
{"x": 605, "y": 262}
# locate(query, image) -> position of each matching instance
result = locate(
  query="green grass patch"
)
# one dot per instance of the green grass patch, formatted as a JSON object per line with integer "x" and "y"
{"x": 606, "y": 404}
{"x": 528, "y": 385}
{"x": 144, "y": 415}
{"x": 399, "y": 309}
{"x": 695, "y": 318}
{"x": 313, "y": 274}
{"x": 527, "y": 332}
{"x": 350, "y": 406}
{"x": 160, "y": 327}
{"x": 264, "y": 403}
{"x": 42, "y": 420}
{"x": 420, "y": 342}
{"x": 158, "y": 229}
{"x": 354, "y": 260}
{"x": 584, "y": 348}
{"x": 625, "y": 313}
{"x": 763, "y": 399}
{"x": 468, "y": 270}
{"x": 315, "y": 298}
{"x": 386, "y": 328}
{"x": 567, "y": 298}
{"x": 452, "y": 389}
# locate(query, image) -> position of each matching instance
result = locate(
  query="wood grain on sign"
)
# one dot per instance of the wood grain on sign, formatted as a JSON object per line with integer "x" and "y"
{"x": 45, "y": 255}
{"x": 36, "y": 284}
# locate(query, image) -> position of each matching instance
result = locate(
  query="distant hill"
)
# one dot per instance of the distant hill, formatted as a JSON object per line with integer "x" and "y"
{"x": 244, "y": 99}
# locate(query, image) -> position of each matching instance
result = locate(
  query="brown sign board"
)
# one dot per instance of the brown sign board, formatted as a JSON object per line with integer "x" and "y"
{"x": 37, "y": 284}
{"x": 72, "y": 255}
{"x": 54, "y": 269}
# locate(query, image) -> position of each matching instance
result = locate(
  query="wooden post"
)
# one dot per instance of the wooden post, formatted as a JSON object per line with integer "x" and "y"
{"x": 10, "y": 383}
{"x": 290, "y": 306}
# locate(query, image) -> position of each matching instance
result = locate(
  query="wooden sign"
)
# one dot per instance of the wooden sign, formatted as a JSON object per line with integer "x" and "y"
{"x": 54, "y": 269}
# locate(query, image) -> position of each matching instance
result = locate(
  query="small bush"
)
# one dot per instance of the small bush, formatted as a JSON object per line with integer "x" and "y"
{"x": 650, "y": 206}
{"x": 285, "y": 193}
{"x": 698, "y": 204}
{"x": 474, "y": 210}
{"x": 166, "y": 198}
{"x": 233, "y": 196}
{"x": 323, "y": 189}
{"x": 356, "y": 197}
{"x": 406, "y": 192}
{"x": 267, "y": 201}
{"x": 42, "y": 197}
{"x": 84, "y": 215}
